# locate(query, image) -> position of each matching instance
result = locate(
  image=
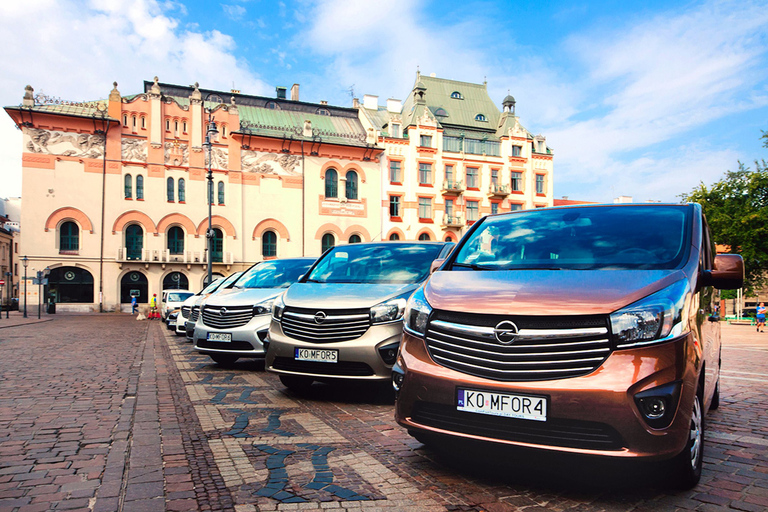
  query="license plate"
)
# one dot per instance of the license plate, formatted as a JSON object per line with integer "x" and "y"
{"x": 219, "y": 336}
{"x": 318, "y": 356}
{"x": 523, "y": 407}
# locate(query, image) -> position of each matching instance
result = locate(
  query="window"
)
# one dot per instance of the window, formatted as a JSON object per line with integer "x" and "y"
{"x": 125, "y": 119}
{"x": 456, "y": 95}
{"x": 540, "y": 184}
{"x": 328, "y": 241}
{"x": 394, "y": 206}
{"x": 184, "y": 127}
{"x": 425, "y": 141}
{"x": 217, "y": 246}
{"x": 473, "y": 180}
{"x": 182, "y": 190}
{"x": 394, "y": 171}
{"x": 272, "y": 105}
{"x": 513, "y": 207}
{"x": 394, "y": 237}
{"x": 133, "y": 122}
{"x": 449, "y": 207}
{"x": 516, "y": 150}
{"x": 128, "y": 186}
{"x": 69, "y": 237}
{"x": 351, "y": 188}
{"x": 395, "y": 130}
{"x": 221, "y": 192}
{"x": 425, "y": 174}
{"x": 167, "y": 125}
{"x": 209, "y": 184}
{"x": 473, "y": 210}
{"x": 452, "y": 144}
{"x": 269, "y": 244}
{"x": 494, "y": 177}
{"x": 424, "y": 237}
{"x": 516, "y": 181}
{"x": 449, "y": 173}
{"x": 176, "y": 240}
{"x": 331, "y": 184}
{"x": 134, "y": 242}
{"x": 441, "y": 112}
{"x": 143, "y": 123}
{"x": 494, "y": 208}
{"x": 170, "y": 186}
{"x": 355, "y": 239}
{"x": 480, "y": 117}
{"x": 425, "y": 208}
{"x": 139, "y": 187}
{"x": 323, "y": 112}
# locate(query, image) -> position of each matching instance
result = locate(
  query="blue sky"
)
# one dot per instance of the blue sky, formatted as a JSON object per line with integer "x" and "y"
{"x": 645, "y": 101}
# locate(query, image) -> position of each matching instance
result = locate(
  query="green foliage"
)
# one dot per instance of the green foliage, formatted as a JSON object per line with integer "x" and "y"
{"x": 737, "y": 212}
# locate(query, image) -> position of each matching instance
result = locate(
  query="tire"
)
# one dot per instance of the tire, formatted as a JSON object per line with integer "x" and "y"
{"x": 296, "y": 383}
{"x": 716, "y": 396}
{"x": 685, "y": 468}
{"x": 225, "y": 360}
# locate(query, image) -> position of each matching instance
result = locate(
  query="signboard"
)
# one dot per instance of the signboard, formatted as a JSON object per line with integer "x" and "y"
{"x": 2, "y": 282}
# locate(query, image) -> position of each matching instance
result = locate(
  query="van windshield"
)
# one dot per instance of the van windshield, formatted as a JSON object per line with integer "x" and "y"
{"x": 178, "y": 296}
{"x": 273, "y": 274}
{"x": 621, "y": 237}
{"x": 376, "y": 263}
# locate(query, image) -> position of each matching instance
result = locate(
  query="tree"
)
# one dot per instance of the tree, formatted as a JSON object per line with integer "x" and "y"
{"x": 736, "y": 208}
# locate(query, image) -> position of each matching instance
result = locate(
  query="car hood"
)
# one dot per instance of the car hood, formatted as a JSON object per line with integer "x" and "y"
{"x": 191, "y": 301}
{"x": 343, "y": 295}
{"x": 544, "y": 292}
{"x": 242, "y": 296}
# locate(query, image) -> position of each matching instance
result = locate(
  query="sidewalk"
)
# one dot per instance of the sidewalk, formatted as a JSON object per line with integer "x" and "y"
{"x": 16, "y": 318}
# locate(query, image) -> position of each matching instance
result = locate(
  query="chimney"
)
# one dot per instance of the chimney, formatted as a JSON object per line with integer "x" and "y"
{"x": 280, "y": 92}
{"x": 355, "y": 103}
{"x": 394, "y": 106}
{"x": 371, "y": 102}
{"x": 307, "y": 132}
{"x": 323, "y": 102}
{"x": 295, "y": 92}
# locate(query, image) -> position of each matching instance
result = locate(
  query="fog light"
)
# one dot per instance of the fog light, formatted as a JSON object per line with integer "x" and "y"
{"x": 658, "y": 405}
{"x": 388, "y": 353}
{"x": 397, "y": 378}
{"x": 653, "y": 408}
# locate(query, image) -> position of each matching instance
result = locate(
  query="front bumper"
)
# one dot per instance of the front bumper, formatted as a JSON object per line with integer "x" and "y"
{"x": 594, "y": 414}
{"x": 245, "y": 339}
{"x": 358, "y": 359}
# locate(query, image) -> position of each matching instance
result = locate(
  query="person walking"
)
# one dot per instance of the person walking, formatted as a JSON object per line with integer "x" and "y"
{"x": 134, "y": 305}
{"x": 761, "y": 317}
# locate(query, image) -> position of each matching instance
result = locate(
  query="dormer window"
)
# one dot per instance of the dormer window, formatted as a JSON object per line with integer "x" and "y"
{"x": 272, "y": 105}
{"x": 323, "y": 112}
{"x": 457, "y": 95}
{"x": 441, "y": 112}
{"x": 480, "y": 117}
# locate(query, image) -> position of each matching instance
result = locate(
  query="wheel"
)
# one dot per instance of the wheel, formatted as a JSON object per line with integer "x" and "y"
{"x": 225, "y": 360}
{"x": 296, "y": 383}
{"x": 686, "y": 466}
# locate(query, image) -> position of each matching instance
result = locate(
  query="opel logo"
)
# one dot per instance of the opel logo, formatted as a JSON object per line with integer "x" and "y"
{"x": 223, "y": 311}
{"x": 506, "y": 332}
{"x": 319, "y": 317}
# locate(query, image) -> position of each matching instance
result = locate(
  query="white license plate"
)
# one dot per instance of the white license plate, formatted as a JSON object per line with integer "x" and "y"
{"x": 523, "y": 407}
{"x": 219, "y": 336}
{"x": 318, "y": 356}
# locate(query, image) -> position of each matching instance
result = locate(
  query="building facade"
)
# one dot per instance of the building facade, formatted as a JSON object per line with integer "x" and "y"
{"x": 117, "y": 192}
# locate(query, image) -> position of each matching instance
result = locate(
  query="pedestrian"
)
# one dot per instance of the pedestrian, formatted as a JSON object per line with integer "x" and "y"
{"x": 761, "y": 317}
{"x": 134, "y": 305}
{"x": 153, "y": 307}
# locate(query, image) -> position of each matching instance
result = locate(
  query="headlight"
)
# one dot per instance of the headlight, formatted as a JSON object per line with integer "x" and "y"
{"x": 263, "y": 308}
{"x": 278, "y": 306}
{"x": 388, "y": 311}
{"x": 417, "y": 311}
{"x": 654, "y": 319}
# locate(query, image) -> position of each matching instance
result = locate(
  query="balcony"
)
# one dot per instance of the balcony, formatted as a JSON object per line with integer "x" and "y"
{"x": 163, "y": 256}
{"x": 452, "y": 187}
{"x": 453, "y": 221}
{"x": 497, "y": 190}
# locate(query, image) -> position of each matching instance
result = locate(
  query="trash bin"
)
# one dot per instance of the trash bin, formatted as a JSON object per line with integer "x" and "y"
{"x": 51, "y": 307}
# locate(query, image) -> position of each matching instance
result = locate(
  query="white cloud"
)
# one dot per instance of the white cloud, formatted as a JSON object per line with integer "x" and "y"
{"x": 235, "y": 12}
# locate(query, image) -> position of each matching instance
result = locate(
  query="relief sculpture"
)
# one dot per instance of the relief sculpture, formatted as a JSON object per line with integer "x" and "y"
{"x": 134, "y": 150}
{"x": 49, "y": 142}
{"x": 177, "y": 154}
{"x": 270, "y": 163}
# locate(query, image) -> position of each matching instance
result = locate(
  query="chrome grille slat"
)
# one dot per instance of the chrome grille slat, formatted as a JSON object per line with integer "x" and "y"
{"x": 194, "y": 314}
{"x": 338, "y": 325}
{"x": 232, "y": 317}
{"x": 185, "y": 311}
{"x": 545, "y": 348}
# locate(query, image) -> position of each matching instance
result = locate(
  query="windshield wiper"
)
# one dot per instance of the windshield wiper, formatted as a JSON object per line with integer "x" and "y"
{"x": 475, "y": 266}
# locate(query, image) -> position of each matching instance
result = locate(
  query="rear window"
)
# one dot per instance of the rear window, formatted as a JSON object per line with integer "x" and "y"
{"x": 621, "y": 237}
{"x": 273, "y": 274}
{"x": 376, "y": 263}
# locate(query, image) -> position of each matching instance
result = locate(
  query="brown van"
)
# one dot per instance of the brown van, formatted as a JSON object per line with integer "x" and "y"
{"x": 588, "y": 329}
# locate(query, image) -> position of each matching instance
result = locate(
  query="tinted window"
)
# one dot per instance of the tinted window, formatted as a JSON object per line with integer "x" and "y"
{"x": 376, "y": 263}
{"x": 273, "y": 274}
{"x": 622, "y": 237}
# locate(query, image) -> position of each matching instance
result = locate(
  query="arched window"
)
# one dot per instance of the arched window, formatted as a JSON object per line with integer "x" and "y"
{"x": 355, "y": 239}
{"x": 175, "y": 281}
{"x": 69, "y": 237}
{"x": 328, "y": 241}
{"x": 331, "y": 183}
{"x": 182, "y": 190}
{"x": 128, "y": 186}
{"x": 176, "y": 240}
{"x": 134, "y": 242}
{"x": 456, "y": 95}
{"x": 351, "y": 191}
{"x": 480, "y": 117}
{"x": 210, "y": 192}
{"x": 268, "y": 244}
{"x": 424, "y": 237}
{"x": 139, "y": 187}
{"x": 170, "y": 186}
{"x": 217, "y": 246}
{"x": 221, "y": 192}
{"x": 394, "y": 237}
{"x": 449, "y": 238}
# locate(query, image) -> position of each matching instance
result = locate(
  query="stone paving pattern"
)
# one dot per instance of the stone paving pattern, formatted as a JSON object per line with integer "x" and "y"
{"x": 104, "y": 413}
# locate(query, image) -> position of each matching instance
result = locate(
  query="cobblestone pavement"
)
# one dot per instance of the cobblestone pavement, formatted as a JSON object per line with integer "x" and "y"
{"x": 103, "y": 413}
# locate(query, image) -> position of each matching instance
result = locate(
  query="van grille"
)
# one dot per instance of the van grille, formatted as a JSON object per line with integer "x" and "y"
{"x": 185, "y": 310}
{"x": 546, "y": 348}
{"x": 338, "y": 324}
{"x": 194, "y": 314}
{"x": 227, "y": 317}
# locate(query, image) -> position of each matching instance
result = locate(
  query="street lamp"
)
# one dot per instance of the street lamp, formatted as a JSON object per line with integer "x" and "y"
{"x": 210, "y": 136}
{"x": 25, "y": 262}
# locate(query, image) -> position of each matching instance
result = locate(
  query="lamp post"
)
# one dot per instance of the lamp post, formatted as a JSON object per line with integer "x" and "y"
{"x": 10, "y": 285}
{"x": 25, "y": 262}
{"x": 210, "y": 135}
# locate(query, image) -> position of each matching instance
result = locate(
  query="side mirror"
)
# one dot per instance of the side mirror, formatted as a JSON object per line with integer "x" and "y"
{"x": 727, "y": 274}
{"x": 436, "y": 264}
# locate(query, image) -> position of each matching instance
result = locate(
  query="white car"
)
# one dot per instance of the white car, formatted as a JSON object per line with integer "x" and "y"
{"x": 171, "y": 300}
